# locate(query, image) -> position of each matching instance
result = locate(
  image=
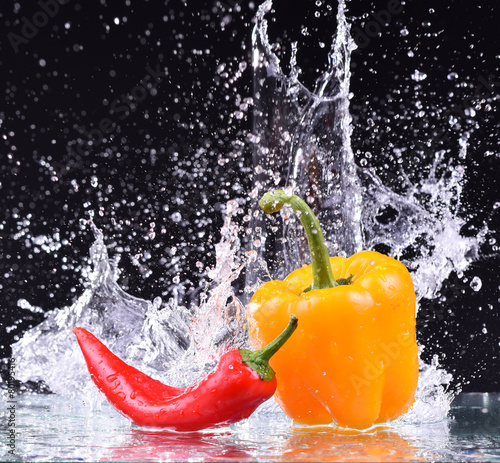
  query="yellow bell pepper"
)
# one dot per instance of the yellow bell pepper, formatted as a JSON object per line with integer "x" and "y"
{"x": 353, "y": 361}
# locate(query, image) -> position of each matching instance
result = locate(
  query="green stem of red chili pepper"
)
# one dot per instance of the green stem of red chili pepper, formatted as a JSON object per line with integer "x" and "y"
{"x": 259, "y": 360}
{"x": 228, "y": 394}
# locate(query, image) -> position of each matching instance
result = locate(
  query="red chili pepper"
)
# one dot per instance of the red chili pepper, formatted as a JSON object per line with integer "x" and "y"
{"x": 241, "y": 382}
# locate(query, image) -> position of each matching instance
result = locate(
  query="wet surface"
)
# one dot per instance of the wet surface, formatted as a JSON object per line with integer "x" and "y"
{"x": 54, "y": 428}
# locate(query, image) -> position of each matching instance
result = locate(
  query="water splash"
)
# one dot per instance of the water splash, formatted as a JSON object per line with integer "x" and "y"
{"x": 422, "y": 226}
{"x": 165, "y": 340}
{"x": 302, "y": 141}
{"x": 304, "y": 138}
{"x": 432, "y": 399}
{"x": 218, "y": 323}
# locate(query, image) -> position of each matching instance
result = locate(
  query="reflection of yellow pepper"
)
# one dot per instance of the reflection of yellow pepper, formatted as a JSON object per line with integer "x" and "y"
{"x": 354, "y": 358}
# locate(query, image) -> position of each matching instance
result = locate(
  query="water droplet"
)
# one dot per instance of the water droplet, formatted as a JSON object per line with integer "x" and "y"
{"x": 476, "y": 283}
{"x": 176, "y": 217}
{"x": 418, "y": 75}
{"x": 471, "y": 112}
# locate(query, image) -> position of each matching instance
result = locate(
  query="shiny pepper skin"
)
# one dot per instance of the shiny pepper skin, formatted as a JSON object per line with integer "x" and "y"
{"x": 354, "y": 359}
{"x": 231, "y": 392}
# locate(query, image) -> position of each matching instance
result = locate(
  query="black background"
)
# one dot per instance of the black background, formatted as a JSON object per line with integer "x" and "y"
{"x": 181, "y": 152}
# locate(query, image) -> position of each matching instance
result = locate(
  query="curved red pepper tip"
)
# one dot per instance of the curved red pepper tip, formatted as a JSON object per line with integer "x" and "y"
{"x": 82, "y": 334}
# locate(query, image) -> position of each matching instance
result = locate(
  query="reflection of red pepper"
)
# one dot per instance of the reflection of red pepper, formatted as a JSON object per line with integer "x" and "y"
{"x": 158, "y": 445}
{"x": 241, "y": 382}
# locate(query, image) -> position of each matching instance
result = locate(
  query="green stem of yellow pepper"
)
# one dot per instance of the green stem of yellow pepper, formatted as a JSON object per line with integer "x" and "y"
{"x": 322, "y": 271}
